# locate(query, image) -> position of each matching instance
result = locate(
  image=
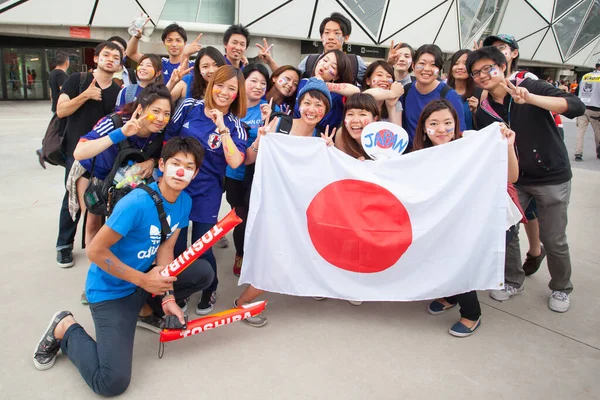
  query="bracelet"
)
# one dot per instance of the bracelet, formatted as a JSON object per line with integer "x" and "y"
{"x": 254, "y": 148}
{"x": 170, "y": 299}
{"x": 117, "y": 136}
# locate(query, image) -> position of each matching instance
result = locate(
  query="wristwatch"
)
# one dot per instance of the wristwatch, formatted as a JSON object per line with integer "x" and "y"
{"x": 169, "y": 293}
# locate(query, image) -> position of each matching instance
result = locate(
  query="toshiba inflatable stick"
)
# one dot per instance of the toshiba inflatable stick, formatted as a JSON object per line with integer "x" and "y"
{"x": 230, "y": 221}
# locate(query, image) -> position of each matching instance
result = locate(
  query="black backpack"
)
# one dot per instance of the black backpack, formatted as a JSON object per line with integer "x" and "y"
{"x": 101, "y": 196}
{"x": 52, "y": 142}
{"x": 312, "y": 59}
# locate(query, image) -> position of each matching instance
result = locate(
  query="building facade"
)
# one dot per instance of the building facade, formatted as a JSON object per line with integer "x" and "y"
{"x": 557, "y": 38}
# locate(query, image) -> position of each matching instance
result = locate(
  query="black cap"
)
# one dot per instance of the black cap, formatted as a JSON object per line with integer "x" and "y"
{"x": 508, "y": 39}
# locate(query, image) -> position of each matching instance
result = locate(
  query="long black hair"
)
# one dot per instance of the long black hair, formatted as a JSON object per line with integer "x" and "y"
{"x": 452, "y": 81}
{"x": 199, "y": 84}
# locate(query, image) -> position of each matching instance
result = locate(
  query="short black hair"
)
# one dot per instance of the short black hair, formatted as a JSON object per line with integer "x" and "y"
{"x": 261, "y": 69}
{"x": 107, "y": 45}
{"x": 187, "y": 145}
{"x": 236, "y": 29}
{"x": 174, "y": 27}
{"x": 119, "y": 39}
{"x": 432, "y": 49}
{"x": 61, "y": 58}
{"x": 343, "y": 22}
{"x": 485, "y": 53}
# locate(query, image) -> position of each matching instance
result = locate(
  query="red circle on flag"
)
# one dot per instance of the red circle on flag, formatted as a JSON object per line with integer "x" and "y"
{"x": 358, "y": 226}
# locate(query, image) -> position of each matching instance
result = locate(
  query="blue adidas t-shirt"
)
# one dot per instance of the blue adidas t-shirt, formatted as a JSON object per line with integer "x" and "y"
{"x": 135, "y": 218}
{"x": 207, "y": 188}
{"x": 253, "y": 119}
{"x": 106, "y": 159}
{"x": 168, "y": 67}
{"x": 335, "y": 115}
{"x": 416, "y": 102}
{"x": 121, "y": 98}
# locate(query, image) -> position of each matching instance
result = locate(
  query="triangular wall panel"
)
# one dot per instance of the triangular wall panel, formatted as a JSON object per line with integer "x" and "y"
{"x": 250, "y": 11}
{"x": 544, "y": 7}
{"x": 402, "y": 13}
{"x": 279, "y": 21}
{"x": 41, "y": 12}
{"x": 548, "y": 50}
{"x": 324, "y": 9}
{"x": 584, "y": 54}
{"x": 528, "y": 46}
{"x": 529, "y": 20}
{"x": 447, "y": 38}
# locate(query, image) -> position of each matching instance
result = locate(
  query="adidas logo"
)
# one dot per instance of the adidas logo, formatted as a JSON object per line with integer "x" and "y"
{"x": 186, "y": 125}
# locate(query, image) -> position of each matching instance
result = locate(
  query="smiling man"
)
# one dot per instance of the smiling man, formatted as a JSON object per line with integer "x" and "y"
{"x": 235, "y": 42}
{"x": 545, "y": 172}
{"x": 121, "y": 279}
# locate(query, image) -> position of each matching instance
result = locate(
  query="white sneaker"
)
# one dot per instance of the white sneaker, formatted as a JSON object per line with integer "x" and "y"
{"x": 559, "y": 301}
{"x": 506, "y": 293}
{"x": 319, "y": 298}
{"x": 355, "y": 302}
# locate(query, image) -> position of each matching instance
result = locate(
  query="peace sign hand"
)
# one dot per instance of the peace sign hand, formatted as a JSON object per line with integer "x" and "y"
{"x": 519, "y": 94}
{"x": 179, "y": 73}
{"x": 327, "y": 137}
{"x": 133, "y": 126}
{"x": 477, "y": 46}
{"x": 265, "y": 110}
{"x": 192, "y": 47}
{"x": 394, "y": 53}
{"x": 263, "y": 130}
{"x": 265, "y": 51}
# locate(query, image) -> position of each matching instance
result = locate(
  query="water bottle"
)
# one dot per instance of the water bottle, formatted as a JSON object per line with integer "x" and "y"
{"x": 137, "y": 24}
{"x": 131, "y": 176}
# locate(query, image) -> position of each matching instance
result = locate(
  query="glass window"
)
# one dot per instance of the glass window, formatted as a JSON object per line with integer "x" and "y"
{"x": 566, "y": 28}
{"x": 589, "y": 30}
{"x": 369, "y": 12}
{"x": 13, "y": 71}
{"x": 562, "y": 6}
{"x": 486, "y": 11}
{"x": 474, "y": 14}
{"x": 205, "y": 11}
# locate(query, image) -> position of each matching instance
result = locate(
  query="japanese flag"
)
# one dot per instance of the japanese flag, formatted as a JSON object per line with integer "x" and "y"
{"x": 424, "y": 225}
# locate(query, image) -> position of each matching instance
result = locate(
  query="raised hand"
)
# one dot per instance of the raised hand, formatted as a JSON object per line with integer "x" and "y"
{"x": 328, "y": 137}
{"x": 519, "y": 94}
{"x": 394, "y": 54}
{"x": 133, "y": 126}
{"x": 140, "y": 31}
{"x": 508, "y": 133}
{"x": 192, "y": 47}
{"x": 265, "y": 110}
{"x": 477, "y": 46}
{"x": 264, "y": 52}
{"x": 93, "y": 92}
{"x": 217, "y": 118}
{"x": 473, "y": 104}
{"x": 179, "y": 73}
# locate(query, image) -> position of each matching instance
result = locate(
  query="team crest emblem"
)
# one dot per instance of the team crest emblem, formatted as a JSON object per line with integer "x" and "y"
{"x": 214, "y": 141}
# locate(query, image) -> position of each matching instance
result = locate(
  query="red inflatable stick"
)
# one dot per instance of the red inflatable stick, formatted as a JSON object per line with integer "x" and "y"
{"x": 213, "y": 321}
{"x": 211, "y": 237}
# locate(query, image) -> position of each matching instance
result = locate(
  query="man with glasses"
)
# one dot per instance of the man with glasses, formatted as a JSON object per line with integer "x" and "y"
{"x": 545, "y": 172}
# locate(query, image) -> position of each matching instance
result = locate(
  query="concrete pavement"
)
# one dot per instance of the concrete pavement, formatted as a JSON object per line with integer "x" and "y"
{"x": 309, "y": 349}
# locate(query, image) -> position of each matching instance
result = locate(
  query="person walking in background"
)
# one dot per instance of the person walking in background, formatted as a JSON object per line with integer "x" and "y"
{"x": 589, "y": 93}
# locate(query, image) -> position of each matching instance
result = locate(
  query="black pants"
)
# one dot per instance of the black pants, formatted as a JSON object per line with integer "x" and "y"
{"x": 468, "y": 302}
{"x": 105, "y": 364}
{"x": 66, "y": 226}
{"x": 235, "y": 193}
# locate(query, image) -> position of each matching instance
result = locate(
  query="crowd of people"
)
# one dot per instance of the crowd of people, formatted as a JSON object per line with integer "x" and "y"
{"x": 190, "y": 154}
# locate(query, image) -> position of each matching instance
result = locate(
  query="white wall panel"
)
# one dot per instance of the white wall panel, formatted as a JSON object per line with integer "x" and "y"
{"x": 521, "y": 20}
{"x": 417, "y": 34}
{"x": 401, "y": 13}
{"x": 528, "y": 46}
{"x": 448, "y": 38}
{"x": 251, "y": 10}
{"x": 584, "y": 54}
{"x": 106, "y": 15}
{"x": 544, "y": 7}
{"x": 290, "y": 21}
{"x": 152, "y": 7}
{"x": 324, "y": 9}
{"x": 548, "y": 51}
{"x": 44, "y": 12}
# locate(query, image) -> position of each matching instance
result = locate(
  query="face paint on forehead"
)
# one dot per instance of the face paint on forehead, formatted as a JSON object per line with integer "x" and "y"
{"x": 179, "y": 172}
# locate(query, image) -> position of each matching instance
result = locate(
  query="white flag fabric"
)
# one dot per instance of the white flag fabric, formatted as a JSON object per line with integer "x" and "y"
{"x": 425, "y": 225}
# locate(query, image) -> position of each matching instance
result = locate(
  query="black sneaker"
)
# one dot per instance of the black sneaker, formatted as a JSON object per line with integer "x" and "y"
{"x": 532, "y": 264}
{"x": 64, "y": 258}
{"x": 598, "y": 152}
{"x": 151, "y": 322}
{"x": 47, "y": 348}
{"x": 41, "y": 160}
{"x": 578, "y": 157}
{"x": 207, "y": 303}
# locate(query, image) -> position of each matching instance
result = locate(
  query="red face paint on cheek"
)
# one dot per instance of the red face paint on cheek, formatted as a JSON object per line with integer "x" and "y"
{"x": 365, "y": 122}
{"x": 233, "y": 96}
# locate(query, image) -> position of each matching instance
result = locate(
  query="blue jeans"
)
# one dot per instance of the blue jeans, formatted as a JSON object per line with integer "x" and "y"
{"x": 105, "y": 364}
{"x": 198, "y": 229}
{"x": 66, "y": 226}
